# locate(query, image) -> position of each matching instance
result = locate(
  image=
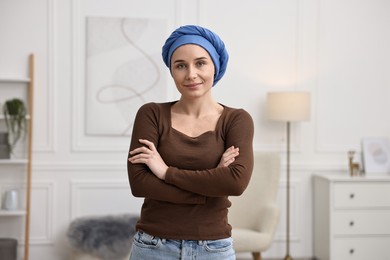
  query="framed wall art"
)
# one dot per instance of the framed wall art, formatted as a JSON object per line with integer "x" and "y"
{"x": 376, "y": 155}
{"x": 123, "y": 71}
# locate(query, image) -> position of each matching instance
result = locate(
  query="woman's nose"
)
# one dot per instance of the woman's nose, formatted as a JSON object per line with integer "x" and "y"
{"x": 192, "y": 72}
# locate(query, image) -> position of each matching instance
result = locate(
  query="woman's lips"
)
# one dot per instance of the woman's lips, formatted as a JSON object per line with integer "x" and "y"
{"x": 193, "y": 85}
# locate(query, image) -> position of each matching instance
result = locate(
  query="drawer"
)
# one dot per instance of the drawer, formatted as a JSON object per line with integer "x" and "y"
{"x": 363, "y": 248}
{"x": 362, "y": 222}
{"x": 362, "y": 195}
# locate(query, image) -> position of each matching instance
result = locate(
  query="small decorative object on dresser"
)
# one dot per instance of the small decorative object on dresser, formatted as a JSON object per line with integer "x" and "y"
{"x": 354, "y": 168}
{"x": 351, "y": 217}
{"x": 376, "y": 155}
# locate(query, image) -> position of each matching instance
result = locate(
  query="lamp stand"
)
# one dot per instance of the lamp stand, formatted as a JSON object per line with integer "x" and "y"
{"x": 288, "y": 257}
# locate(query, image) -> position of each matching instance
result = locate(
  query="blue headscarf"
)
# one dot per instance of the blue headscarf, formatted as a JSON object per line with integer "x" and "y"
{"x": 208, "y": 40}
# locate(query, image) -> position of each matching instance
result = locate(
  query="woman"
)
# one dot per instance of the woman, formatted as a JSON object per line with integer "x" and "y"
{"x": 187, "y": 156}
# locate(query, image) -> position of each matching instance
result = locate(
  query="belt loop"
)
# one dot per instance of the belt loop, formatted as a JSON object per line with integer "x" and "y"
{"x": 163, "y": 240}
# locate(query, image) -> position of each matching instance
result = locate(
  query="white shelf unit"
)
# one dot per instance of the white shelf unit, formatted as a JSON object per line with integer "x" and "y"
{"x": 29, "y": 83}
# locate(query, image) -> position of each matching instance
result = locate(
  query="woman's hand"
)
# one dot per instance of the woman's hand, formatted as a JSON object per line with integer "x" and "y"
{"x": 228, "y": 156}
{"x": 149, "y": 155}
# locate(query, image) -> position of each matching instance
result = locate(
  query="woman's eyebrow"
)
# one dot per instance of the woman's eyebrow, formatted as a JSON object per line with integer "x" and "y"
{"x": 176, "y": 61}
{"x": 200, "y": 58}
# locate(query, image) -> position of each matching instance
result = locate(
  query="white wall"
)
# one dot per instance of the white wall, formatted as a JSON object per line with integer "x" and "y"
{"x": 337, "y": 50}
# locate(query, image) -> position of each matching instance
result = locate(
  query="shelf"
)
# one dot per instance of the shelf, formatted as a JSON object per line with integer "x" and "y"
{"x": 13, "y": 161}
{"x": 12, "y": 213}
{"x": 14, "y": 80}
{"x": 2, "y": 117}
{"x": 25, "y": 161}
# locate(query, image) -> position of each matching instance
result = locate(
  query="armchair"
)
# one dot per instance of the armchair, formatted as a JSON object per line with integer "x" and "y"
{"x": 254, "y": 215}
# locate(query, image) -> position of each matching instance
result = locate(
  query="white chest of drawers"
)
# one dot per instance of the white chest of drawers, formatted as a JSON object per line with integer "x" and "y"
{"x": 351, "y": 217}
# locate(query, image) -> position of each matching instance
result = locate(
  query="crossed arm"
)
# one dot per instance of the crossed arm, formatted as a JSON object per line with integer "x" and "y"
{"x": 147, "y": 160}
{"x": 149, "y": 155}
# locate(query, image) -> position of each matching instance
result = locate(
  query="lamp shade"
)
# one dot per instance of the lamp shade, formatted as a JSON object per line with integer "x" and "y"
{"x": 288, "y": 106}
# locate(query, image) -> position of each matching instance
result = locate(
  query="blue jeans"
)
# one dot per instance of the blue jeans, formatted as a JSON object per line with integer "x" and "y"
{"x": 147, "y": 247}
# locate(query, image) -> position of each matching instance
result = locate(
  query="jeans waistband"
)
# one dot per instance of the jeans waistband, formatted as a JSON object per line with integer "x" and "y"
{"x": 163, "y": 240}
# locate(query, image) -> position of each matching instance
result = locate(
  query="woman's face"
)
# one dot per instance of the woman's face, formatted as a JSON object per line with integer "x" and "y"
{"x": 192, "y": 70}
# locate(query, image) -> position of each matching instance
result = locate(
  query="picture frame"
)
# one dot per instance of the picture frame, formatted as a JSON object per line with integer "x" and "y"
{"x": 376, "y": 155}
{"x": 123, "y": 71}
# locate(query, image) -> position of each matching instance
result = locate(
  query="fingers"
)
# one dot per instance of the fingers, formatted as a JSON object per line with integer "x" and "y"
{"x": 142, "y": 154}
{"x": 229, "y": 156}
{"x": 149, "y": 146}
{"x": 231, "y": 152}
{"x": 228, "y": 162}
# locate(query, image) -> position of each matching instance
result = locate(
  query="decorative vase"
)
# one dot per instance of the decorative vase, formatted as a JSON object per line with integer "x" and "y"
{"x": 11, "y": 200}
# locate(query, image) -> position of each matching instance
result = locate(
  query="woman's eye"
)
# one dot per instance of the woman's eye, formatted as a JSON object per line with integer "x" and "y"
{"x": 200, "y": 63}
{"x": 180, "y": 66}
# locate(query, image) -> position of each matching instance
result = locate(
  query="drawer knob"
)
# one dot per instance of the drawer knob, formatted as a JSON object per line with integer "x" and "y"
{"x": 352, "y": 195}
{"x": 351, "y": 251}
{"x": 351, "y": 223}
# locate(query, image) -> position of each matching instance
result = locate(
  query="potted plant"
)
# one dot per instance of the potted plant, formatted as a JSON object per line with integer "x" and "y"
{"x": 15, "y": 116}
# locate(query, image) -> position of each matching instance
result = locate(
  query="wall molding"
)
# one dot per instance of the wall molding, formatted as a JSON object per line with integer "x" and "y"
{"x": 48, "y": 187}
{"x": 120, "y": 166}
{"x": 51, "y": 79}
{"x": 295, "y": 227}
{"x": 77, "y": 186}
{"x": 84, "y": 166}
{"x": 340, "y": 122}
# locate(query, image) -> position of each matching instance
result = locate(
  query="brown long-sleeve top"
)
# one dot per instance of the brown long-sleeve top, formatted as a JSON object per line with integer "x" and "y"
{"x": 192, "y": 202}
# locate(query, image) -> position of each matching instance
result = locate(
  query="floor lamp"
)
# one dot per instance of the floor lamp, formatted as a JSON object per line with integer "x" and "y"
{"x": 288, "y": 107}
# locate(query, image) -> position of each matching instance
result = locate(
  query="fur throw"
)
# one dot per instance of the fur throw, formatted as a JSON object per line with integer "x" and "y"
{"x": 107, "y": 237}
